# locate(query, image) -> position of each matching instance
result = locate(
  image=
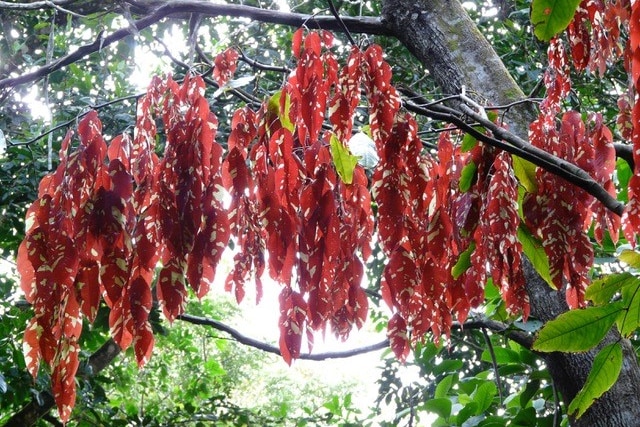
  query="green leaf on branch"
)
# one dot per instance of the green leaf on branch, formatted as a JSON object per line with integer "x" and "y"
{"x": 464, "y": 261}
{"x": 624, "y": 174}
{"x": 467, "y": 176}
{"x": 630, "y": 320}
{"x": 604, "y": 373}
{"x": 577, "y": 330}
{"x": 468, "y": 142}
{"x": 533, "y": 249}
{"x": 443, "y": 387}
{"x": 343, "y": 160}
{"x": 484, "y": 395}
{"x": 631, "y": 258}
{"x": 550, "y": 17}
{"x": 275, "y": 103}
{"x": 440, "y": 407}
{"x": 525, "y": 171}
{"x": 602, "y": 290}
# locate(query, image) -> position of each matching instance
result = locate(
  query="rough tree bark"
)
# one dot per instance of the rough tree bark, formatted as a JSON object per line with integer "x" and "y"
{"x": 443, "y": 37}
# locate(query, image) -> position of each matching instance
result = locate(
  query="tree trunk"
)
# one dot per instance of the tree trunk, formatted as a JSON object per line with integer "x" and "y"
{"x": 443, "y": 37}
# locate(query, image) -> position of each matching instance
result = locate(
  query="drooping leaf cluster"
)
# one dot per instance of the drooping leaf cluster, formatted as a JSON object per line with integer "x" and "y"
{"x": 118, "y": 222}
{"x": 557, "y": 213}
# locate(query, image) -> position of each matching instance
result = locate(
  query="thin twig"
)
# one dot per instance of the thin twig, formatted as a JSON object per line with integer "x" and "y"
{"x": 335, "y": 13}
{"x": 556, "y": 405}
{"x": 76, "y": 118}
{"x": 260, "y": 66}
{"x": 364, "y": 25}
{"x": 494, "y": 362}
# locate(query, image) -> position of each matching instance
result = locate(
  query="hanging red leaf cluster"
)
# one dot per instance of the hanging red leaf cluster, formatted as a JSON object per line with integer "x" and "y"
{"x": 631, "y": 122}
{"x": 108, "y": 217}
{"x": 112, "y": 218}
{"x": 288, "y": 203}
{"x": 440, "y": 223}
{"x": 559, "y": 213}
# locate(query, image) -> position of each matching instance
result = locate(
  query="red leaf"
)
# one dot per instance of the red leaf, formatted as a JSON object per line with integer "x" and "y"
{"x": 209, "y": 245}
{"x": 63, "y": 376}
{"x": 292, "y": 324}
{"x": 27, "y": 272}
{"x": 120, "y": 149}
{"x": 31, "y": 346}
{"x": 88, "y": 288}
{"x": 312, "y": 43}
{"x": 243, "y": 130}
{"x": 121, "y": 323}
{"x": 398, "y": 337}
{"x": 297, "y": 42}
{"x": 225, "y": 66}
{"x": 579, "y": 39}
{"x": 140, "y": 303}
{"x": 171, "y": 289}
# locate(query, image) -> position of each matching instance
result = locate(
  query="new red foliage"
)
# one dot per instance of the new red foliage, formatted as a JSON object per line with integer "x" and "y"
{"x": 112, "y": 218}
{"x": 558, "y": 213}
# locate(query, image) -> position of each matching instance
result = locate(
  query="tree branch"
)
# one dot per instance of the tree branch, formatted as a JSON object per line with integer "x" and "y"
{"x": 625, "y": 152}
{"x": 520, "y": 337}
{"x": 34, "y": 5}
{"x": 357, "y": 25}
{"x": 507, "y": 141}
{"x": 251, "y": 342}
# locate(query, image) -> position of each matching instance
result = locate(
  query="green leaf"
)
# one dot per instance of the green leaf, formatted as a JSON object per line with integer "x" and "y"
{"x": 344, "y": 162}
{"x": 274, "y": 108}
{"x": 630, "y": 320}
{"x": 469, "y": 410}
{"x": 550, "y": 17}
{"x": 624, "y": 174}
{"x": 484, "y": 395}
{"x": 631, "y": 258}
{"x": 464, "y": 261}
{"x": 533, "y": 249}
{"x": 468, "y": 143}
{"x": 441, "y": 407}
{"x": 604, "y": 373}
{"x": 443, "y": 387}
{"x": 525, "y": 171}
{"x": 502, "y": 355}
{"x": 532, "y": 387}
{"x": 447, "y": 365}
{"x": 526, "y": 417}
{"x": 577, "y": 330}
{"x": 467, "y": 176}
{"x": 602, "y": 290}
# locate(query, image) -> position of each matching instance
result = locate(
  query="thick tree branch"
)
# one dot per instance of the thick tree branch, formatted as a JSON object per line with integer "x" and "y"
{"x": 625, "y": 152}
{"x": 260, "y": 345}
{"x": 34, "y": 5}
{"x": 355, "y": 25}
{"x": 551, "y": 163}
{"x": 511, "y": 143}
